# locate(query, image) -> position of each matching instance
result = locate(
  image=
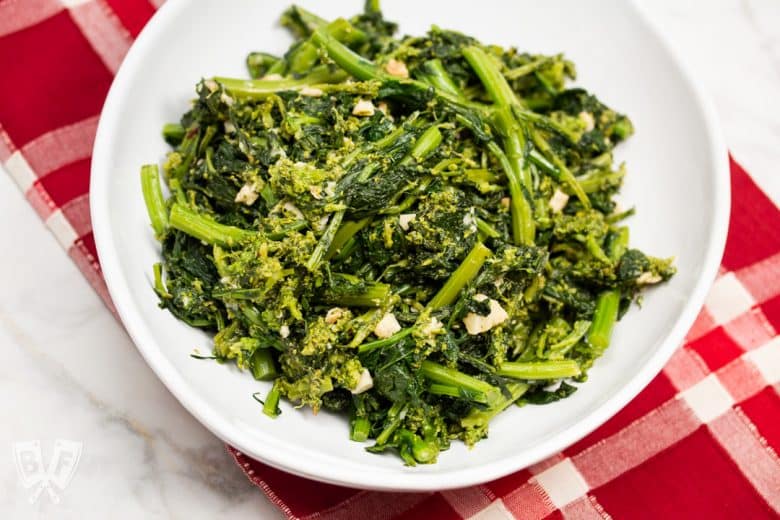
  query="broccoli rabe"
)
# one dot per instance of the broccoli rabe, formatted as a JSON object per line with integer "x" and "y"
{"x": 414, "y": 232}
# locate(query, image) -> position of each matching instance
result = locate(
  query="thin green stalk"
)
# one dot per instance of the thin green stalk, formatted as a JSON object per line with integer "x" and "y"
{"x": 173, "y": 133}
{"x": 379, "y": 343}
{"x": 563, "y": 173}
{"x": 271, "y": 405}
{"x": 608, "y": 302}
{"x": 350, "y": 291}
{"x": 155, "y": 201}
{"x": 449, "y": 376}
{"x": 204, "y": 228}
{"x": 261, "y": 88}
{"x": 465, "y": 272}
{"x": 489, "y": 74}
{"x": 480, "y": 417}
{"x": 345, "y": 233}
{"x": 555, "y": 369}
{"x": 439, "y": 78}
{"x": 457, "y": 392}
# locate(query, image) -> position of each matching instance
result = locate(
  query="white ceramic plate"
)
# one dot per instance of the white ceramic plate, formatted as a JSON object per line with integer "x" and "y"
{"x": 678, "y": 180}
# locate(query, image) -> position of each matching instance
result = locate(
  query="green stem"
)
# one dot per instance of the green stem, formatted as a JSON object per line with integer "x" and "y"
{"x": 347, "y": 230}
{"x": 608, "y": 302}
{"x": 479, "y": 417}
{"x": 206, "y": 229}
{"x": 153, "y": 196}
{"x": 489, "y": 74}
{"x": 359, "y": 429}
{"x": 396, "y": 414}
{"x": 351, "y": 291}
{"x": 465, "y": 272}
{"x": 486, "y": 229}
{"x": 563, "y": 173}
{"x": 345, "y": 58}
{"x": 263, "y": 365}
{"x": 540, "y": 369}
{"x": 439, "y": 78}
{"x": 449, "y": 376}
{"x": 173, "y": 133}
{"x": 262, "y": 88}
{"x": 528, "y": 68}
{"x": 271, "y": 406}
{"x": 457, "y": 392}
{"x": 379, "y": 343}
{"x": 306, "y": 55}
{"x": 323, "y": 246}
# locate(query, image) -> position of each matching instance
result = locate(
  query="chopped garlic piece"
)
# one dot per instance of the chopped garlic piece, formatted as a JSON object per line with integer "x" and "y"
{"x": 292, "y": 208}
{"x": 272, "y": 77}
{"x": 587, "y": 118}
{"x": 404, "y": 219}
{"x": 397, "y": 68}
{"x": 211, "y": 85}
{"x": 229, "y": 127}
{"x": 311, "y": 92}
{"x": 558, "y": 201}
{"x": 476, "y": 324}
{"x": 387, "y": 326}
{"x": 316, "y": 191}
{"x": 334, "y": 315}
{"x": 227, "y": 99}
{"x": 648, "y": 278}
{"x": 382, "y": 107}
{"x": 432, "y": 327}
{"x": 247, "y": 194}
{"x": 505, "y": 202}
{"x": 366, "y": 382}
{"x": 284, "y": 331}
{"x": 363, "y": 108}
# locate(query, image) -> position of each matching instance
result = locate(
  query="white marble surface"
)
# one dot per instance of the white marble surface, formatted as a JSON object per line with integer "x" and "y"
{"x": 69, "y": 371}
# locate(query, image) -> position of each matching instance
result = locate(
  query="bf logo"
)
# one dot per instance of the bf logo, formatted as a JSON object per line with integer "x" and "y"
{"x": 51, "y": 478}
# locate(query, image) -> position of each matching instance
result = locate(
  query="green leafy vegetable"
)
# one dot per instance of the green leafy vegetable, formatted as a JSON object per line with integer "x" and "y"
{"x": 413, "y": 232}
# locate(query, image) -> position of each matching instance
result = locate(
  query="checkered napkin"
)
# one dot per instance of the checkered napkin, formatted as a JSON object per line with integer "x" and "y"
{"x": 700, "y": 441}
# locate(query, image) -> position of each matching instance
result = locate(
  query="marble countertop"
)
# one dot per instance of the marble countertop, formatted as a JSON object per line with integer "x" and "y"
{"x": 69, "y": 371}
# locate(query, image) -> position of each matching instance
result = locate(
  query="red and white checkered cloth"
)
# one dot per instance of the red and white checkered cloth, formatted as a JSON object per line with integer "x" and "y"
{"x": 700, "y": 441}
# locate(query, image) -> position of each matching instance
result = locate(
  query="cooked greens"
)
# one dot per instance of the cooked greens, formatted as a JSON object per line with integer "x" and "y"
{"x": 415, "y": 232}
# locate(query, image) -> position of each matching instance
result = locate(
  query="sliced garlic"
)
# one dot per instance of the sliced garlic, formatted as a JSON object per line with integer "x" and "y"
{"x": 558, "y": 201}
{"x": 397, "y": 68}
{"x": 366, "y": 382}
{"x": 363, "y": 108}
{"x": 476, "y": 324}
{"x": 387, "y": 326}
{"x": 404, "y": 219}
{"x": 247, "y": 194}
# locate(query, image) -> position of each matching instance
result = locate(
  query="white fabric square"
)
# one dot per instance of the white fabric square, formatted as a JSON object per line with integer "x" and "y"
{"x": 59, "y": 225}
{"x": 495, "y": 511}
{"x": 767, "y": 360}
{"x": 563, "y": 483}
{"x": 728, "y": 298}
{"x": 708, "y": 398}
{"x": 20, "y": 170}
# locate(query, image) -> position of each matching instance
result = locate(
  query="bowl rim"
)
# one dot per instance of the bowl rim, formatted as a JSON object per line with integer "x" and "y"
{"x": 290, "y": 461}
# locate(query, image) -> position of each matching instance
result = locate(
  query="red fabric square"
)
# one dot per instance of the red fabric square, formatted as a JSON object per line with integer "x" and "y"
{"x": 435, "y": 506}
{"x": 305, "y": 496}
{"x": 762, "y": 410}
{"x": 53, "y": 76}
{"x": 89, "y": 244}
{"x": 716, "y": 348}
{"x": 694, "y": 478}
{"x": 753, "y": 230}
{"x": 771, "y": 309}
{"x": 133, "y": 15}
{"x": 656, "y": 393}
{"x": 504, "y": 485}
{"x": 68, "y": 182}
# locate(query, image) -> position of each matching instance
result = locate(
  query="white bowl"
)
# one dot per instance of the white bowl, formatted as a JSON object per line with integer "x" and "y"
{"x": 678, "y": 180}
